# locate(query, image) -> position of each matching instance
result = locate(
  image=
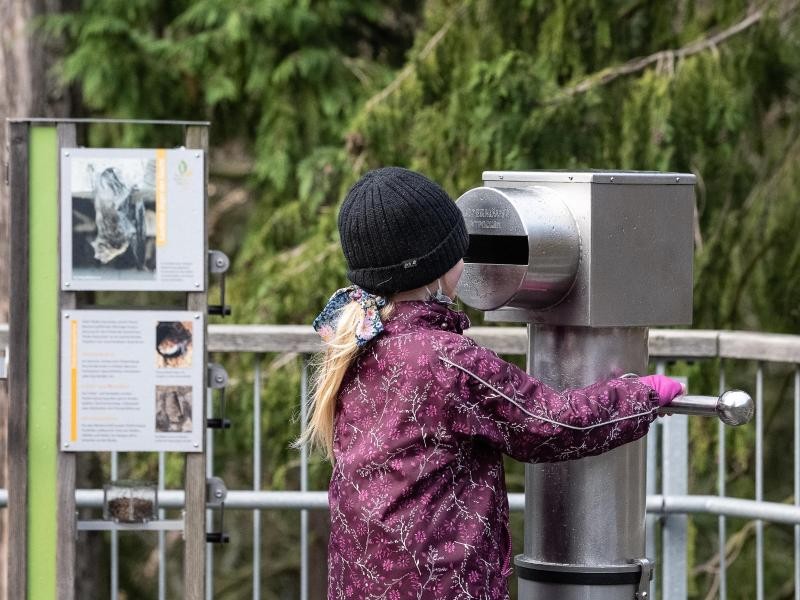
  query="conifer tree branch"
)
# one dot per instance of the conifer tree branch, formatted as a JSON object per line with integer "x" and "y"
{"x": 409, "y": 69}
{"x": 667, "y": 57}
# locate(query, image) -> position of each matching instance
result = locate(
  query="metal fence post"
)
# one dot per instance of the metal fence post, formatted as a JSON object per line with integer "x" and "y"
{"x": 721, "y": 523}
{"x": 675, "y": 468}
{"x": 257, "y": 478}
{"x": 651, "y": 487}
{"x": 303, "y": 482}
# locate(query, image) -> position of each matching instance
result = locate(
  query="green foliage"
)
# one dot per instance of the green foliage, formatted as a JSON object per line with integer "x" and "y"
{"x": 316, "y": 93}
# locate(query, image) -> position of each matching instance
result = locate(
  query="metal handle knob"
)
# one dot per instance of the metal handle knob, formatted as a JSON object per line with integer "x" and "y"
{"x": 733, "y": 408}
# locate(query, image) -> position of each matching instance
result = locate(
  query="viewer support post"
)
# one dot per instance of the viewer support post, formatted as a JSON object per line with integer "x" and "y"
{"x": 589, "y": 260}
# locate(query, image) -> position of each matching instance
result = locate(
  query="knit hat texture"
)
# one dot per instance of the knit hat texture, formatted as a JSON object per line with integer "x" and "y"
{"x": 399, "y": 231}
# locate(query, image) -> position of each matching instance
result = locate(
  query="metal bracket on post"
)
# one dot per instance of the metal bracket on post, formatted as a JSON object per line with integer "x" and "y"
{"x": 642, "y": 590}
{"x": 218, "y": 380}
{"x": 216, "y": 493}
{"x": 218, "y": 264}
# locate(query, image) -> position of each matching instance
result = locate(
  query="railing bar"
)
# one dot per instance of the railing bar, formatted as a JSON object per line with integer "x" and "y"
{"x": 674, "y": 528}
{"x": 651, "y": 483}
{"x": 797, "y": 479}
{"x": 658, "y": 504}
{"x": 303, "y": 481}
{"x": 114, "y": 537}
{"x": 672, "y": 343}
{"x": 733, "y": 508}
{"x": 759, "y": 480}
{"x": 721, "y": 466}
{"x": 257, "y": 477}
{"x": 162, "y": 549}
{"x": 663, "y": 343}
{"x": 652, "y": 549}
{"x": 674, "y": 480}
{"x": 209, "y": 512}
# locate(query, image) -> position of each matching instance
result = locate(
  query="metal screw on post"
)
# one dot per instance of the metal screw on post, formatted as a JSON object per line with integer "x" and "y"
{"x": 217, "y": 376}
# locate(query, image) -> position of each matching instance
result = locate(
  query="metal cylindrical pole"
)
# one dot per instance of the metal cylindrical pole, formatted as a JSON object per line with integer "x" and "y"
{"x": 584, "y": 519}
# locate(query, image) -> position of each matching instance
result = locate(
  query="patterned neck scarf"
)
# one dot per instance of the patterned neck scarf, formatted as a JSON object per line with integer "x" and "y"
{"x": 370, "y": 325}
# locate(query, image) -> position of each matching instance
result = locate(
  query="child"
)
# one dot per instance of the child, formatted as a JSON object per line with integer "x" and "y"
{"x": 415, "y": 416}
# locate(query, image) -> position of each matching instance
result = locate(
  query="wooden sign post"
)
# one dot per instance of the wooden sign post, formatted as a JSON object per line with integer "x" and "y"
{"x": 42, "y": 467}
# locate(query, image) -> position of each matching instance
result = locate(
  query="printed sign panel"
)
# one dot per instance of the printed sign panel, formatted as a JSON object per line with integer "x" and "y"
{"x": 132, "y": 381}
{"x": 132, "y": 219}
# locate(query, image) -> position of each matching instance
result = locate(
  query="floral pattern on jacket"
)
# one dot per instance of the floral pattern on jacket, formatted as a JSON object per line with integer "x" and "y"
{"x": 418, "y": 500}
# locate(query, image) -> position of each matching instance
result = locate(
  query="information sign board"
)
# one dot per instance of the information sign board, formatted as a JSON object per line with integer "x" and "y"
{"x": 132, "y": 219}
{"x": 132, "y": 381}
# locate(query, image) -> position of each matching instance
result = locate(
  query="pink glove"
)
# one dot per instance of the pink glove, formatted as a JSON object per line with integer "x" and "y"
{"x": 666, "y": 388}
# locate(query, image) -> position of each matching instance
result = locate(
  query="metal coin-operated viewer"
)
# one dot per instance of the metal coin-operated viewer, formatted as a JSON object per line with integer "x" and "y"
{"x": 589, "y": 260}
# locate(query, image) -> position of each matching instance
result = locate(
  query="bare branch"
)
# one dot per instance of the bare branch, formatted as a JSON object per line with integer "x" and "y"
{"x": 236, "y": 197}
{"x": 664, "y": 58}
{"x": 409, "y": 69}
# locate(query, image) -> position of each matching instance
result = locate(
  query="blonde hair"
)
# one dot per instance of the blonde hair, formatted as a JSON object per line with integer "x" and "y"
{"x": 340, "y": 352}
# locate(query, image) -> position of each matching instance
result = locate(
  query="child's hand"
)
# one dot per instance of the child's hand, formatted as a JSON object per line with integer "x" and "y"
{"x": 666, "y": 388}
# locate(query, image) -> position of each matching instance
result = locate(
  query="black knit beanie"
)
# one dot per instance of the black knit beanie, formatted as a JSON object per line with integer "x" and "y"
{"x": 399, "y": 231}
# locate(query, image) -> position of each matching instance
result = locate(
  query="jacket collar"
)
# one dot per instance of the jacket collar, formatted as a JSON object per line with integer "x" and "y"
{"x": 416, "y": 314}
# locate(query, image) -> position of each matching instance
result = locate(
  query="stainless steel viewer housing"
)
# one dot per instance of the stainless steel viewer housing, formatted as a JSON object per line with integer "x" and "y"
{"x": 580, "y": 248}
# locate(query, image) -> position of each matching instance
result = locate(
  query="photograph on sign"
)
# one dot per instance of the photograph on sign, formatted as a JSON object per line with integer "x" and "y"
{"x": 115, "y": 396}
{"x": 113, "y": 218}
{"x": 174, "y": 408}
{"x": 173, "y": 344}
{"x": 132, "y": 219}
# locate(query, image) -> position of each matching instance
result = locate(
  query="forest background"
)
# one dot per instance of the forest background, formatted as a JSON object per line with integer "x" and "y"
{"x": 305, "y": 96}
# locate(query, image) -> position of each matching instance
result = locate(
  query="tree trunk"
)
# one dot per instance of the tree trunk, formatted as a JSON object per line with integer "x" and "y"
{"x": 26, "y": 90}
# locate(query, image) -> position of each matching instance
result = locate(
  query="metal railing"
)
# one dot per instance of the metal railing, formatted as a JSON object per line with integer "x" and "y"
{"x": 670, "y": 506}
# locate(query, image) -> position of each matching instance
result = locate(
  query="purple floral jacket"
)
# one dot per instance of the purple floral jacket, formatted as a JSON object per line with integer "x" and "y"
{"x": 417, "y": 498}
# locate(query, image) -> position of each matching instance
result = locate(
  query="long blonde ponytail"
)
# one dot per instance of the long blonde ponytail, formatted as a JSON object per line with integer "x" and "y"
{"x": 340, "y": 352}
